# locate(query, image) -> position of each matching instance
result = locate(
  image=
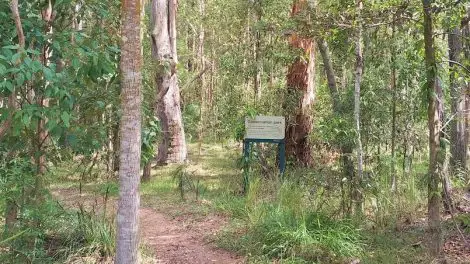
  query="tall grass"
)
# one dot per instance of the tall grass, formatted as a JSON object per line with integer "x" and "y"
{"x": 284, "y": 226}
{"x": 58, "y": 235}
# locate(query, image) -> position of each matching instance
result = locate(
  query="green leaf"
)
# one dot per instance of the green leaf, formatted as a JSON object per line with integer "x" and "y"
{"x": 19, "y": 79}
{"x": 26, "y": 119}
{"x": 3, "y": 69}
{"x": 65, "y": 116}
{"x": 36, "y": 66}
{"x": 51, "y": 124}
{"x": 107, "y": 67}
{"x": 8, "y": 85}
{"x": 100, "y": 104}
{"x": 34, "y": 52}
{"x": 75, "y": 63}
{"x": 56, "y": 45}
{"x": 57, "y": 3}
{"x": 15, "y": 57}
{"x": 28, "y": 61}
{"x": 28, "y": 75}
{"x": 48, "y": 74}
{"x": 12, "y": 47}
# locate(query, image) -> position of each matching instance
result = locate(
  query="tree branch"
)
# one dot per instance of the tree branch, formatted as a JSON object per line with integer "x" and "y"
{"x": 458, "y": 64}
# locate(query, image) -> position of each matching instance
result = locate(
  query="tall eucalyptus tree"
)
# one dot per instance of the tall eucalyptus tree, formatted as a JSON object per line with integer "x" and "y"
{"x": 172, "y": 148}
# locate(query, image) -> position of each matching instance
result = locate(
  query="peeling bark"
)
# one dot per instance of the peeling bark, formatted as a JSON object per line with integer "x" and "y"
{"x": 301, "y": 80}
{"x": 172, "y": 148}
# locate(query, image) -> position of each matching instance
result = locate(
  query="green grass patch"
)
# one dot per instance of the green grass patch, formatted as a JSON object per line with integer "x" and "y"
{"x": 284, "y": 228}
{"x": 396, "y": 247}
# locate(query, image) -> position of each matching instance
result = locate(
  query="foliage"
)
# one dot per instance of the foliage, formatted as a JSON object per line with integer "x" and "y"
{"x": 285, "y": 228}
{"x": 63, "y": 236}
{"x": 186, "y": 182}
{"x": 150, "y": 136}
{"x": 67, "y": 79}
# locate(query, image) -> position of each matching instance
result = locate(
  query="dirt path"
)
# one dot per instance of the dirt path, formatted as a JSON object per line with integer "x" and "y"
{"x": 175, "y": 241}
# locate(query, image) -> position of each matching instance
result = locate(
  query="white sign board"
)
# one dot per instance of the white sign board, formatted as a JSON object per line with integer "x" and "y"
{"x": 265, "y": 127}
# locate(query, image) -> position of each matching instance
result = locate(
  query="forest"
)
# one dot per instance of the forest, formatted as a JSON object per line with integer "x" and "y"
{"x": 125, "y": 138}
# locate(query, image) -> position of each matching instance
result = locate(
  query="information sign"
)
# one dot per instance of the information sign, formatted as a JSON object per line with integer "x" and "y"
{"x": 265, "y": 127}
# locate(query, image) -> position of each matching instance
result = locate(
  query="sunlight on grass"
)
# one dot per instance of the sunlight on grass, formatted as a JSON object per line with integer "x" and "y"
{"x": 295, "y": 221}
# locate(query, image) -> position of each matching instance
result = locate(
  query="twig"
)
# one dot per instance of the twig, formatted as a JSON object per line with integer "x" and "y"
{"x": 457, "y": 63}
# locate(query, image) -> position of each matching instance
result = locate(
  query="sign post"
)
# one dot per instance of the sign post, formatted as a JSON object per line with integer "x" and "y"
{"x": 264, "y": 129}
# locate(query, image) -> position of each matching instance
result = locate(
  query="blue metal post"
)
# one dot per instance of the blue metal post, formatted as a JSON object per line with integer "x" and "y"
{"x": 282, "y": 157}
{"x": 246, "y": 165}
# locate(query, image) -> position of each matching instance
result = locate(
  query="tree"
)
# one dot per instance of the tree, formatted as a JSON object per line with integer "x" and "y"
{"x": 393, "y": 87}
{"x": 434, "y": 126}
{"x": 11, "y": 210}
{"x": 357, "y": 106}
{"x": 172, "y": 148}
{"x": 458, "y": 132}
{"x": 130, "y": 147}
{"x": 301, "y": 83}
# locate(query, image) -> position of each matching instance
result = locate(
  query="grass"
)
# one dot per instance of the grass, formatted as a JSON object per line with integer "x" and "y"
{"x": 283, "y": 228}
{"x": 293, "y": 222}
{"x": 63, "y": 236}
{"x": 392, "y": 247}
{"x": 281, "y": 221}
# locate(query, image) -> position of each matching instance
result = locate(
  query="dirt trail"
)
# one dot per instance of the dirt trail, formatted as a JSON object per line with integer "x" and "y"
{"x": 173, "y": 241}
{"x": 179, "y": 242}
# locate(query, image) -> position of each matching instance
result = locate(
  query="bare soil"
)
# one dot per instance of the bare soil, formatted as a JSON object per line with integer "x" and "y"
{"x": 176, "y": 241}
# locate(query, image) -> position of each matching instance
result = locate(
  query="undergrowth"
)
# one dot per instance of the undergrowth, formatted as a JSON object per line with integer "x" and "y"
{"x": 285, "y": 227}
{"x": 54, "y": 234}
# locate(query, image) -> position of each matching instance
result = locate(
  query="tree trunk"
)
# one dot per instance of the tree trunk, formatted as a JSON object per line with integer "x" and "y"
{"x": 190, "y": 41}
{"x": 345, "y": 148}
{"x": 43, "y": 102}
{"x": 130, "y": 152}
{"x": 172, "y": 148}
{"x": 434, "y": 126}
{"x": 458, "y": 146}
{"x": 11, "y": 208}
{"x": 466, "y": 45}
{"x": 357, "y": 109}
{"x": 147, "y": 172}
{"x": 202, "y": 79}
{"x": 301, "y": 81}
{"x": 330, "y": 75}
{"x": 393, "y": 87}
{"x": 257, "y": 51}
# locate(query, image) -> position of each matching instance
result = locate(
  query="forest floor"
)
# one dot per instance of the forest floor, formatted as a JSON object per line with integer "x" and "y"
{"x": 173, "y": 231}
{"x": 168, "y": 239}
{"x": 193, "y": 230}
